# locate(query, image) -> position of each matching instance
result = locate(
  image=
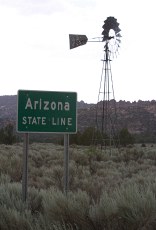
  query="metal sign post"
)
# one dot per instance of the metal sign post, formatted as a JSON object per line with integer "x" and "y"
{"x": 25, "y": 167}
{"x": 66, "y": 163}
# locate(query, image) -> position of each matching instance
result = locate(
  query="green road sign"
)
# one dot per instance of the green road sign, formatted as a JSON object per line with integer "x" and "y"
{"x": 46, "y": 111}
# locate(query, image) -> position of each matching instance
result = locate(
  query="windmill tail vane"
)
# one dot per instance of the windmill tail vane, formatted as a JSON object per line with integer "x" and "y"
{"x": 76, "y": 40}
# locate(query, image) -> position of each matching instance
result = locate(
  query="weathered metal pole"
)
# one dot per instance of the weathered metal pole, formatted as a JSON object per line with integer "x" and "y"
{"x": 66, "y": 163}
{"x": 25, "y": 167}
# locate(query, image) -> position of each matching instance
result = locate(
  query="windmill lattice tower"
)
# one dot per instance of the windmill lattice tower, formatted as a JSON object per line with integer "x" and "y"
{"x": 106, "y": 130}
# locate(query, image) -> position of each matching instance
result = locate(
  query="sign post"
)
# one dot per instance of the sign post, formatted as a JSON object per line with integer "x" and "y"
{"x": 66, "y": 163}
{"x": 25, "y": 168}
{"x": 46, "y": 112}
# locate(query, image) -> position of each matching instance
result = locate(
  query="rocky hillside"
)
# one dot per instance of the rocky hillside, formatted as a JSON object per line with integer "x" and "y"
{"x": 8, "y": 109}
{"x": 139, "y": 117}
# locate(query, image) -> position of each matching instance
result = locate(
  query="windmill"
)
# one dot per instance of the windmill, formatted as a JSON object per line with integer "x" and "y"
{"x": 105, "y": 132}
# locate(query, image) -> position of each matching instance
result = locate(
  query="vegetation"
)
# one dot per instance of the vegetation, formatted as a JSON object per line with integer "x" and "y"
{"x": 125, "y": 137}
{"x": 83, "y": 138}
{"x": 109, "y": 189}
{"x": 7, "y": 135}
{"x": 138, "y": 116}
{"x": 88, "y": 135}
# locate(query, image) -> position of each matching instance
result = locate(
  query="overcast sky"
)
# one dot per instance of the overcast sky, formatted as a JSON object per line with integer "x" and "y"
{"x": 35, "y": 54}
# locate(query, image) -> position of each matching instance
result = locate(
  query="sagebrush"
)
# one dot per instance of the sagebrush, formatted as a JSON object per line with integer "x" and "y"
{"x": 107, "y": 190}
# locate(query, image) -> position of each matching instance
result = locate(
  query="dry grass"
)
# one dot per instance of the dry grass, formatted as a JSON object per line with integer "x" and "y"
{"x": 107, "y": 191}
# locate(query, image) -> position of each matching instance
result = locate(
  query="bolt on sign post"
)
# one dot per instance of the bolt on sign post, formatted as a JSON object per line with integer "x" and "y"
{"x": 46, "y": 112}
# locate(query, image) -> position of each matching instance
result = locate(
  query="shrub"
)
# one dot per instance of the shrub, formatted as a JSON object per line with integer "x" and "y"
{"x": 7, "y": 135}
{"x": 108, "y": 190}
{"x": 72, "y": 209}
{"x": 136, "y": 207}
{"x": 125, "y": 137}
{"x": 14, "y": 220}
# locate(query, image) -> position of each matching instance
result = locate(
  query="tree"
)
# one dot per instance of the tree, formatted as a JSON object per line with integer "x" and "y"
{"x": 1, "y": 136}
{"x": 75, "y": 138}
{"x": 7, "y": 135}
{"x": 125, "y": 137}
{"x": 87, "y": 136}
